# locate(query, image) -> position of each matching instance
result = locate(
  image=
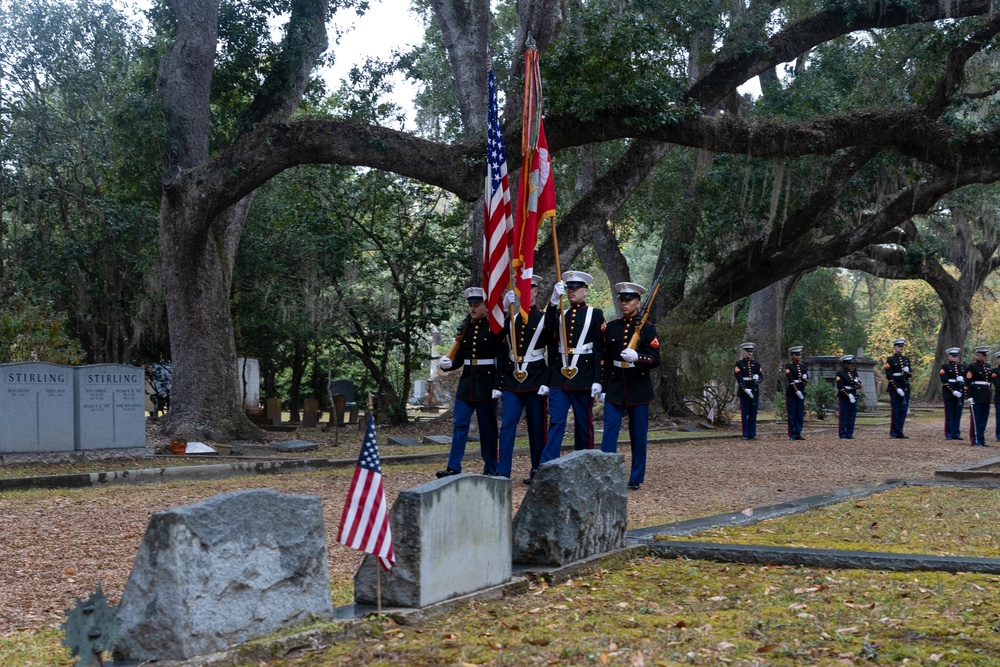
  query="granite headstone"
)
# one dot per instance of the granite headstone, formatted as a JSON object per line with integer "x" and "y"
{"x": 110, "y": 411}
{"x": 36, "y": 408}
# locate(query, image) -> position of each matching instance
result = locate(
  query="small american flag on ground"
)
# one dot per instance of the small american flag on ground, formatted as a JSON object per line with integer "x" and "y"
{"x": 365, "y": 523}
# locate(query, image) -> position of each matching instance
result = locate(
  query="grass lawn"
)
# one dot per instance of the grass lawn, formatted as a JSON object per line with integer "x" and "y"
{"x": 938, "y": 520}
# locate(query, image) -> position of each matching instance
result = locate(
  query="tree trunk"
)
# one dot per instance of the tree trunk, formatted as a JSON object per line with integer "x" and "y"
{"x": 197, "y": 274}
{"x": 766, "y": 328}
{"x": 300, "y": 359}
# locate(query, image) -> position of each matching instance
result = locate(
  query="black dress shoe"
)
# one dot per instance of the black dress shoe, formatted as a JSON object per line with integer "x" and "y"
{"x": 799, "y": 437}
{"x": 632, "y": 486}
{"x": 447, "y": 472}
{"x": 903, "y": 437}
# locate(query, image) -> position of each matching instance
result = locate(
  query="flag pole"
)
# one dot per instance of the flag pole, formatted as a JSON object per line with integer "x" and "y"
{"x": 562, "y": 318}
{"x": 378, "y": 570}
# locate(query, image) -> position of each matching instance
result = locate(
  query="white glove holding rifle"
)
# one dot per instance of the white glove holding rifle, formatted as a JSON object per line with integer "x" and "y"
{"x": 557, "y": 291}
{"x": 851, "y": 398}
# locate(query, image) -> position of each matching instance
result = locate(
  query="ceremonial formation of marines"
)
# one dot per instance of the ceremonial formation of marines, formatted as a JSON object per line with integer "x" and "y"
{"x": 545, "y": 364}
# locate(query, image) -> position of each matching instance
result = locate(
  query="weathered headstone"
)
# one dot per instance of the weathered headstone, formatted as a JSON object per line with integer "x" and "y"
{"x": 450, "y": 537}
{"x": 575, "y": 507}
{"x": 342, "y": 397}
{"x": 290, "y": 446}
{"x": 223, "y": 571}
{"x": 36, "y": 408}
{"x": 110, "y": 410}
{"x": 400, "y": 441}
{"x": 310, "y": 413}
{"x": 273, "y": 410}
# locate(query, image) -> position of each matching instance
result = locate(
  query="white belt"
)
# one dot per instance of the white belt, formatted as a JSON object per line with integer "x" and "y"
{"x": 896, "y": 375}
{"x": 623, "y": 364}
{"x": 480, "y": 362}
{"x": 583, "y": 349}
{"x": 955, "y": 380}
{"x": 980, "y": 382}
{"x": 746, "y": 379}
{"x": 536, "y": 355}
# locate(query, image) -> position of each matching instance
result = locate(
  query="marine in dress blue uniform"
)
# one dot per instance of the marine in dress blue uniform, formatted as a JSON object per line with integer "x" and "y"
{"x": 627, "y": 383}
{"x": 847, "y": 382}
{"x": 575, "y": 368}
{"x": 977, "y": 386}
{"x": 796, "y": 379}
{"x": 478, "y": 388}
{"x": 897, "y": 372}
{"x": 995, "y": 381}
{"x": 524, "y": 371}
{"x": 952, "y": 376}
{"x": 748, "y": 378}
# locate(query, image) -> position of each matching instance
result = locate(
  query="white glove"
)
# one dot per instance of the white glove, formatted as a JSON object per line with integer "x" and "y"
{"x": 857, "y": 381}
{"x": 543, "y": 390}
{"x": 956, "y": 394}
{"x": 603, "y": 395}
{"x": 805, "y": 376}
{"x": 971, "y": 401}
{"x": 851, "y": 398}
{"x": 557, "y": 291}
{"x": 595, "y": 389}
{"x": 906, "y": 369}
{"x": 756, "y": 378}
{"x": 900, "y": 391}
{"x": 799, "y": 394}
{"x": 508, "y": 299}
{"x": 748, "y": 392}
{"x": 629, "y": 355}
{"x": 444, "y": 363}
{"x": 497, "y": 394}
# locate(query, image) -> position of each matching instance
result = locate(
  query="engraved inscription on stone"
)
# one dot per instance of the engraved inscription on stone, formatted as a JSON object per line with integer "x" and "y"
{"x": 36, "y": 408}
{"x": 110, "y": 407}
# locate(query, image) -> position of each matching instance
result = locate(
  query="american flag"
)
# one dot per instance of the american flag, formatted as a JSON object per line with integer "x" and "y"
{"x": 499, "y": 219}
{"x": 365, "y": 523}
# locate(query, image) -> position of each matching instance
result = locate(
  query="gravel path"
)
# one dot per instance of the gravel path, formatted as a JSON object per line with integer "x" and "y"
{"x": 56, "y": 545}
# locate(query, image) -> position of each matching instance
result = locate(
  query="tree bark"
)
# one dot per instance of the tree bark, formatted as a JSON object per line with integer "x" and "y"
{"x": 766, "y": 328}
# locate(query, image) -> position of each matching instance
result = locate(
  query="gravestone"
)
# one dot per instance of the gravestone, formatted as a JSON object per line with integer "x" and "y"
{"x": 109, "y": 411}
{"x": 401, "y": 441}
{"x": 226, "y": 570}
{"x": 310, "y": 413}
{"x": 36, "y": 408}
{"x": 450, "y": 537}
{"x": 342, "y": 396}
{"x": 273, "y": 411}
{"x": 575, "y": 507}
{"x": 292, "y": 446}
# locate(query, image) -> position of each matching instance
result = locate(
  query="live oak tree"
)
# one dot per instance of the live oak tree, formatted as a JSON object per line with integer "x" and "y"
{"x": 652, "y": 103}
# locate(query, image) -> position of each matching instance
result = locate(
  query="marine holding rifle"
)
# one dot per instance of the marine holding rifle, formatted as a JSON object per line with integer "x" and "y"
{"x": 631, "y": 351}
{"x": 575, "y": 369}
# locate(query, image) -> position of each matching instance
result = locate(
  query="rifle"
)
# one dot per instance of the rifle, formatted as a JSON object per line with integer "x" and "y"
{"x": 646, "y": 307}
{"x": 458, "y": 338}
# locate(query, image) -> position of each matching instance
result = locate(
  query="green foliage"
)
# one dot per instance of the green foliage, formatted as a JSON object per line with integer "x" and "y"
{"x": 703, "y": 358}
{"x": 821, "y": 397}
{"x": 32, "y": 332}
{"x": 910, "y": 310}
{"x": 821, "y": 317}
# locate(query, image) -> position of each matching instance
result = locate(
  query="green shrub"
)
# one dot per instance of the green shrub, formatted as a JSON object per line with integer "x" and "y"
{"x": 821, "y": 397}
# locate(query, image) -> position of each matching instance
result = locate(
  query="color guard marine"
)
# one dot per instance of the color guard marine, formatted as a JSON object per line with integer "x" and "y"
{"x": 476, "y": 351}
{"x": 977, "y": 385}
{"x": 575, "y": 369}
{"x": 952, "y": 376}
{"x": 631, "y": 351}
{"x": 524, "y": 371}
{"x": 898, "y": 374}
{"x": 995, "y": 381}
{"x": 796, "y": 379}
{"x": 847, "y": 383}
{"x": 748, "y": 378}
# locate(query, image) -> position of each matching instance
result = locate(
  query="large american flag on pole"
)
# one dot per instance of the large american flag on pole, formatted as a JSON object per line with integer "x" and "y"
{"x": 499, "y": 220}
{"x": 365, "y": 523}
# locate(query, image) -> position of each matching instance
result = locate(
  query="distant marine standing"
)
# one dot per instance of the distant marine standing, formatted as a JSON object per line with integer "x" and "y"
{"x": 898, "y": 374}
{"x": 796, "y": 379}
{"x": 952, "y": 376}
{"x": 847, "y": 382}
{"x": 748, "y": 378}
{"x": 977, "y": 383}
